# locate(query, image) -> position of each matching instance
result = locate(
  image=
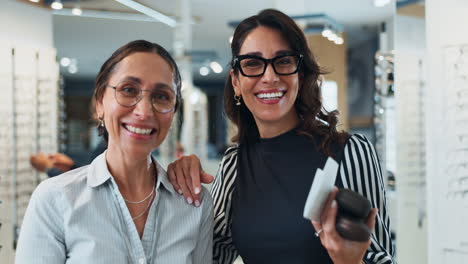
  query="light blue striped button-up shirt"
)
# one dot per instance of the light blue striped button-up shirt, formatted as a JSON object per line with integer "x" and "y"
{"x": 81, "y": 217}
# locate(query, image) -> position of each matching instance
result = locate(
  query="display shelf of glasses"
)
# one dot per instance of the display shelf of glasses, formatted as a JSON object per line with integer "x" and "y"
{"x": 456, "y": 102}
{"x": 29, "y": 106}
{"x": 410, "y": 121}
{"x": 410, "y": 145}
{"x": 454, "y": 148}
{"x": 62, "y": 116}
{"x": 6, "y": 107}
{"x": 6, "y": 147}
{"x": 411, "y": 158}
{"x": 25, "y": 93}
{"x": 384, "y": 109}
{"x": 50, "y": 103}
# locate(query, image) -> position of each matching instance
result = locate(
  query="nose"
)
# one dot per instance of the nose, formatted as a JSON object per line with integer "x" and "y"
{"x": 144, "y": 108}
{"x": 270, "y": 74}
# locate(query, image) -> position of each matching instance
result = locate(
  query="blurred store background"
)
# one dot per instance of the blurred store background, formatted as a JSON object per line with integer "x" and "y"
{"x": 397, "y": 75}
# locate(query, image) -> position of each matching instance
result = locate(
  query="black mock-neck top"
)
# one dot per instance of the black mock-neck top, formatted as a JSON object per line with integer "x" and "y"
{"x": 274, "y": 179}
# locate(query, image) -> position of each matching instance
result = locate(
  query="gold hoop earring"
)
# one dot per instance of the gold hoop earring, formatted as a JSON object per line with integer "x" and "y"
{"x": 237, "y": 98}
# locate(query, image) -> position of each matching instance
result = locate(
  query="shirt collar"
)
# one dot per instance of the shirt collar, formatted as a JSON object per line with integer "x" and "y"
{"x": 163, "y": 178}
{"x": 98, "y": 173}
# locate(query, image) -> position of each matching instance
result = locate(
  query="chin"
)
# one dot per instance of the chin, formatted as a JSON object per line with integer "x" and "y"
{"x": 140, "y": 151}
{"x": 270, "y": 116}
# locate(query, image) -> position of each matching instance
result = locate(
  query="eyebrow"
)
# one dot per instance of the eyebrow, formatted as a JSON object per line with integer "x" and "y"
{"x": 278, "y": 53}
{"x": 158, "y": 85}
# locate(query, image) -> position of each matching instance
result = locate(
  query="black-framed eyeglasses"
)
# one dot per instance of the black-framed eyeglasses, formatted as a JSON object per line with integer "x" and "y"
{"x": 129, "y": 93}
{"x": 254, "y": 66}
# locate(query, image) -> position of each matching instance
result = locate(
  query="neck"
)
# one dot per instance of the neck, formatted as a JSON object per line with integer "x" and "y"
{"x": 270, "y": 129}
{"x": 134, "y": 176}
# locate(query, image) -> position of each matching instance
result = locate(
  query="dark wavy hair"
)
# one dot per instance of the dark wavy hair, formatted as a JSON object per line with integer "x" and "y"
{"x": 315, "y": 120}
{"x": 126, "y": 50}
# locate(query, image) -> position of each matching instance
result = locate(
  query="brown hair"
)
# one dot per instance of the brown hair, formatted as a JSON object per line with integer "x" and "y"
{"x": 315, "y": 119}
{"x": 107, "y": 68}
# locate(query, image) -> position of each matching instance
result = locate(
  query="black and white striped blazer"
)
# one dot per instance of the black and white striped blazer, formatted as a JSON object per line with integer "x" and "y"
{"x": 359, "y": 171}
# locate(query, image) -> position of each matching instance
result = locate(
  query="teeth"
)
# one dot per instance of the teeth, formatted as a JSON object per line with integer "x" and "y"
{"x": 140, "y": 131}
{"x": 270, "y": 95}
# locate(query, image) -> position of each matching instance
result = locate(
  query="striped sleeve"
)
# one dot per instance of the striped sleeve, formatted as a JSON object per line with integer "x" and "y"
{"x": 360, "y": 171}
{"x": 223, "y": 186}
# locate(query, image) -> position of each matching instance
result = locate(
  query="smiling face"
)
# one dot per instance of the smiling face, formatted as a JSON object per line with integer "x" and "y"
{"x": 270, "y": 97}
{"x": 139, "y": 129}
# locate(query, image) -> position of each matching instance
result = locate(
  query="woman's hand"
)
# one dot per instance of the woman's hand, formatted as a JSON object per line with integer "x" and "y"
{"x": 185, "y": 175}
{"x": 62, "y": 161}
{"x": 41, "y": 162}
{"x": 341, "y": 251}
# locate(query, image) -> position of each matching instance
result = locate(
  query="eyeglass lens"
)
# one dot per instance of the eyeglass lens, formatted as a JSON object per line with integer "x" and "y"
{"x": 129, "y": 94}
{"x": 255, "y": 66}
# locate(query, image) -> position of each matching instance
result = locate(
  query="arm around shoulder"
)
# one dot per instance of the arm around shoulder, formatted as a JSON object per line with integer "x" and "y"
{"x": 223, "y": 187}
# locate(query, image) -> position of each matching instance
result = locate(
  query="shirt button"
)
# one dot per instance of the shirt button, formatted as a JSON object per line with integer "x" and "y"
{"x": 142, "y": 261}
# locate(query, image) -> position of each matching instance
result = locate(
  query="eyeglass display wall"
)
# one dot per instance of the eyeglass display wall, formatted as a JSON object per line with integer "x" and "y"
{"x": 411, "y": 158}
{"x": 31, "y": 107}
{"x": 447, "y": 125}
{"x": 455, "y": 165}
{"x": 385, "y": 128}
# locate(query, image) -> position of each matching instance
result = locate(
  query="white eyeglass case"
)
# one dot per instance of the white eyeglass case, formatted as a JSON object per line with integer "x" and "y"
{"x": 322, "y": 185}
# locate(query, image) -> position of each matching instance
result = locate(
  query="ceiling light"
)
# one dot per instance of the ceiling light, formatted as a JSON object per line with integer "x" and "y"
{"x": 332, "y": 37}
{"x": 57, "y": 5}
{"x": 65, "y": 62}
{"x": 230, "y": 39}
{"x": 216, "y": 67}
{"x": 34, "y": 1}
{"x": 339, "y": 41}
{"x": 149, "y": 12}
{"x": 381, "y": 3}
{"x": 204, "y": 71}
{"x": 73, "y": 69}
{"x": 326, "y": 32}
{"x": 77, "y": 11}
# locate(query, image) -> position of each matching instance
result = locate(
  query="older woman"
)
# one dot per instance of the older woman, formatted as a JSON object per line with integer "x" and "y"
{"x": 284, "y": 135}
{"x": 121, "y": 208}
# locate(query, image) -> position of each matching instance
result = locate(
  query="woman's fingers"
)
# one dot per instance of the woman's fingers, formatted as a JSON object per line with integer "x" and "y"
{"x": 317, "y": 225}
{"x": 195, "y": 174}
{"x": 328, "y": 220}
{"x": 191, "y": 167}
{"x": 371, "y": 219}
{"x": 185, "y": 174}
{"x": 340, "y": 249}
{"x": 172, "y": 178}
{"x": 329, "y": 223}
{"x": 206, "y": 177}
{"x": 327, "y": 206}
{"x": 185, "y": 167}
{"x": 180, "y": 177}
{"x": 190, "y": 197}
